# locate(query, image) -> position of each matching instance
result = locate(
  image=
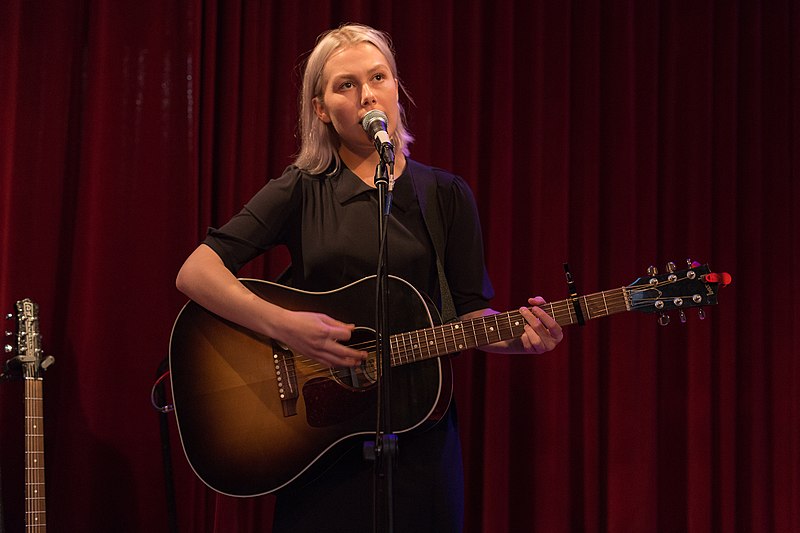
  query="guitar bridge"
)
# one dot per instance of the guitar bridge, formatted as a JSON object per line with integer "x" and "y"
{"x": 286, "y": 378}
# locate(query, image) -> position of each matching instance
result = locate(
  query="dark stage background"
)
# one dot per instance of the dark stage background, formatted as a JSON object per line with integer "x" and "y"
{"x": 610, "y": 134}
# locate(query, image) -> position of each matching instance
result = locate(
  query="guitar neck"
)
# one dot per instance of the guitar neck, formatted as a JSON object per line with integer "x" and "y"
{"x": 35, "y": 516}
{"x": 454, "y": 337}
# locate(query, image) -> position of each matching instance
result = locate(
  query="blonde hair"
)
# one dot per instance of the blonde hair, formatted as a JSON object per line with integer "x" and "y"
{"x": 319, "y": 142}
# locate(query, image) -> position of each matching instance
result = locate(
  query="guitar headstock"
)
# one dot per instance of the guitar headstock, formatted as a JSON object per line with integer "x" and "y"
{"x": 695, "y": 286}
{"x": 27, "y": 341}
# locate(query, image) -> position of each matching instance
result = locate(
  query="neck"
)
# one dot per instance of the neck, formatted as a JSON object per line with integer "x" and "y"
{"x": 363, "y": 164}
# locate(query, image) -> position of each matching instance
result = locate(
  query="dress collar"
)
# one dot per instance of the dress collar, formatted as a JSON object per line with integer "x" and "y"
{"x": 346, "y": 186}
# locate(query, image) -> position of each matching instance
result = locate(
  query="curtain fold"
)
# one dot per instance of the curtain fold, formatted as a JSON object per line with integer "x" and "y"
{"x": 608, "y": 135}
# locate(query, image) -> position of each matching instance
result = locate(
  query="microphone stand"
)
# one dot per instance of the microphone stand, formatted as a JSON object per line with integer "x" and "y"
{"x": 384, "y": 449}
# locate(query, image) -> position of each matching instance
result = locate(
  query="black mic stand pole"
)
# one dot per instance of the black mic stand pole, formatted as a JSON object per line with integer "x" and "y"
{"x": 385, "y": 446}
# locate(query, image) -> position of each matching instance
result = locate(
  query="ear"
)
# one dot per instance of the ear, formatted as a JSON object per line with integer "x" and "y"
{"x": 319, "y": 109}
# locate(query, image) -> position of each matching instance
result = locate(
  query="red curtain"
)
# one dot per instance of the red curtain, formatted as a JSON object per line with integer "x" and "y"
{"x": 611, "y": 135}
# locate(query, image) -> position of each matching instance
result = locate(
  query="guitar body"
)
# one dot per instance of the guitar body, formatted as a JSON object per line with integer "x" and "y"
{"x": 254, "y": 417}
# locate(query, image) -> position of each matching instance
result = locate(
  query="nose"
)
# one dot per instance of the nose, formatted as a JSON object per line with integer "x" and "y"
{"x": 367, "y": 96}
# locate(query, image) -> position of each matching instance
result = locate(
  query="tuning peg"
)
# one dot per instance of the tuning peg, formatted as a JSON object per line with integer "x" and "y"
{"x": 9, "y": 316}
{"x": 671, "y": 267}
{"x": 701, "y": 314}
{"x": 8, "y": 348}
{"x": 663, "y": 319}
{"x": 652, "y": 271}
{"x": 682, "y": 316}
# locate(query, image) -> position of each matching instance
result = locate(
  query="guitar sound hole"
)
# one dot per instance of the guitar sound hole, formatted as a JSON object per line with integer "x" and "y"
{"x": 363, "y": 375}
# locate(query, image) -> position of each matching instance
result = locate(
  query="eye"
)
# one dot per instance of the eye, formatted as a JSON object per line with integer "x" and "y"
{"x": 346, "y": 85}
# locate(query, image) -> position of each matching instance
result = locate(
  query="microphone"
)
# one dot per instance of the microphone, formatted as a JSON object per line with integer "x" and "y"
{"x": 375, "y": 123}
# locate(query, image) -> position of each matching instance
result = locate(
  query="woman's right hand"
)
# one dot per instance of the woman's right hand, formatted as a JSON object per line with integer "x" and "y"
{"x": 320, "y": 337}
{"x": 206, "y": 280}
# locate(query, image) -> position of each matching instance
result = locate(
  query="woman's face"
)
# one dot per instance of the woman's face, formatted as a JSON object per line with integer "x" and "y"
{"x": 357, "y": 79}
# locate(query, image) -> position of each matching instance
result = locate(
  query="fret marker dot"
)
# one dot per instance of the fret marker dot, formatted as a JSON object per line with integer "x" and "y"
{"x": 491, "y": 329}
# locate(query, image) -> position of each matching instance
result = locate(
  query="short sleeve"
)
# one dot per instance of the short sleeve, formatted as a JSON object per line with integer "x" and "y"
{"x": 464, "y": 262}
{"x": 261, "y": 224}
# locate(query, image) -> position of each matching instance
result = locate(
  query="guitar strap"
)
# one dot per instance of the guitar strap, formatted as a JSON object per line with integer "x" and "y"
{"x": 425, "y": 188}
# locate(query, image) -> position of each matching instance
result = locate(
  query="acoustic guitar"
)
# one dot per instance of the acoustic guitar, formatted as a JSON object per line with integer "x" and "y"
{"x": 254, "y": 417}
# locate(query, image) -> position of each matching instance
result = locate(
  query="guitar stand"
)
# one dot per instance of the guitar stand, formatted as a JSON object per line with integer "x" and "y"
{"x": 2, "y": 513}
{"x": 158, "y": 398}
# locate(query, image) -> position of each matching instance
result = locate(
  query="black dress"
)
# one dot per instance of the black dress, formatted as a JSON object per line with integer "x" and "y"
{"x": 329, "y": 224}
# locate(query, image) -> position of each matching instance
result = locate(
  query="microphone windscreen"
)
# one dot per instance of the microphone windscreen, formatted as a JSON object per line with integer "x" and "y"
{"x": 374, "y": 121}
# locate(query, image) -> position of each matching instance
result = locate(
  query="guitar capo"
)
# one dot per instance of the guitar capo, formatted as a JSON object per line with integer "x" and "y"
{"x": 573, "y": 296}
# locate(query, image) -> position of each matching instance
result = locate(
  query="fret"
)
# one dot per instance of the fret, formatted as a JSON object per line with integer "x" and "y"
{"x": 605, "y": 302}
{"x": 456, "y": 328}
{"x": 470, "y": 333}
{"x": 405, "y": 348}
{"x": 428, "y": 343}
{"x": 442, "y": 346}
{"x": 394, "y": 349}
{"x": 495, "y": 329}
{"x": 518, "y": 325}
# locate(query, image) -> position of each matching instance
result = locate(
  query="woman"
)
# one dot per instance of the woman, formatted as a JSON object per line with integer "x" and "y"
{"x": 323, "y": 208}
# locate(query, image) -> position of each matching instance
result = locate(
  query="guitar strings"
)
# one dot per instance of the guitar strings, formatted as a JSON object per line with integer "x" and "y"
{"x": 34, "y": 454}
{"x": 404, "y": 350}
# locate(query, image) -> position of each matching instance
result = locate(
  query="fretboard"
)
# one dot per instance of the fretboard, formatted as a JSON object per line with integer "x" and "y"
{"x": 453, "y": 337}
{"x": 35, "y": 516}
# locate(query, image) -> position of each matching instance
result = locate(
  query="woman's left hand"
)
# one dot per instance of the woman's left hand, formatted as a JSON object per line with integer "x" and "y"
{"x": 542, "y": 332}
